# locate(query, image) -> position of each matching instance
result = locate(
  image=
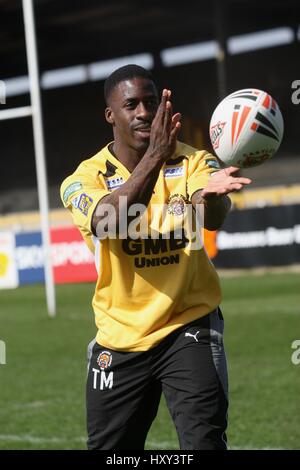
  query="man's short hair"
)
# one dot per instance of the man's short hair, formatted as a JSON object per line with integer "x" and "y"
{"x": 127, "y": 72}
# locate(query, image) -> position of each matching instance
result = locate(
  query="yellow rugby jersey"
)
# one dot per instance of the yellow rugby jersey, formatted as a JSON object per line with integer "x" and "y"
{"x": 146, "y": 287}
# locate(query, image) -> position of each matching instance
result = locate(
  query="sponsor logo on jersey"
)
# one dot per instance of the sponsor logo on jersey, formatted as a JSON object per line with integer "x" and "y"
{"x": 161, "y": 247}
{"x": 174, "y": 172}
{"x": 84, "y": 203}
{"x": 75, "y": 201}
{"x": 104, "y": 360}
{"x": 114, "y": 183}
{"x": 71, "y": 189}
{"x": 212, "y": 163}
{"x": 155, "y": 246}
{"x": 176, "y": 204}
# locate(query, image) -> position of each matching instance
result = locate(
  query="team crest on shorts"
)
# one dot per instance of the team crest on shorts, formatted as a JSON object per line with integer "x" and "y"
{"x": 176, "y": 204}
{"x": 104, "y": 360}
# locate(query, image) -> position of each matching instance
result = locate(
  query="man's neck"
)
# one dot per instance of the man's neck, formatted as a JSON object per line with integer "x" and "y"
{"x": 127, "y": 156}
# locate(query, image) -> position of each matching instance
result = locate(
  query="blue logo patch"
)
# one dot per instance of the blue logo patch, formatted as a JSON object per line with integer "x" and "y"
{"x": 75, "y": 201}
{"x": 84, "y": 203}
{"x": 174, "y": 172}
{"x": 212, "y": 163}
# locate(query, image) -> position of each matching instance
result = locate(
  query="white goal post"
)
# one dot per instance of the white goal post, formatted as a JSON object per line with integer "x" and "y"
{"x": 35, "y": 112}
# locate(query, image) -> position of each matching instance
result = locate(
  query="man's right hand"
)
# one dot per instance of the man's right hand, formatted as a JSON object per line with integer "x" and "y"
{"x": 138, "y": 189}
{"x": 164, "y": 130}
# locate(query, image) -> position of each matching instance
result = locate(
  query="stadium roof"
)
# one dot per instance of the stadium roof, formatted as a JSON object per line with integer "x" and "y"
{"x": 82, "y": 32}
{"x": 77, "y": 39}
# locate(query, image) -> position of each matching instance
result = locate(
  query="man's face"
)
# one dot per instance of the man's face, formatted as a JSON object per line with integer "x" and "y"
{"x": 132, "y": 106}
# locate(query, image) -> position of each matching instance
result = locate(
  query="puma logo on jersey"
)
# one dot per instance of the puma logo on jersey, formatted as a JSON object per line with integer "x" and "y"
{"x": 193, "y": 336}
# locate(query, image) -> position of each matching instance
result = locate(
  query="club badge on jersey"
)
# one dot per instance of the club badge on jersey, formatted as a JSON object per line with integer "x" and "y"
{"x": 176, "y": 204}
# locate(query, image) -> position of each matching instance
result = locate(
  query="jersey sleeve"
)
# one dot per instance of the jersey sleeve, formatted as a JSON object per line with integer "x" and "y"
{"x": 80, "y": 193}
{"x": 201, "y": 166}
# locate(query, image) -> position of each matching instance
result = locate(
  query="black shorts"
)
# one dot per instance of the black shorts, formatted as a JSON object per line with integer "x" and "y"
{"x": 188, "y": 366}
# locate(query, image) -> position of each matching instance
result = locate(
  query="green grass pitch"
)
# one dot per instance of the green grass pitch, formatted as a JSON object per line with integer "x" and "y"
{"x": 42, "y": 385}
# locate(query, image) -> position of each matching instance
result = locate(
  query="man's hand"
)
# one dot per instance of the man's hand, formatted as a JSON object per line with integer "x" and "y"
{"x": 164, "y": 130}
{"x": 214, "y": 196}
{"x": 224, "y": 182}
{"x": 138, "y": 189}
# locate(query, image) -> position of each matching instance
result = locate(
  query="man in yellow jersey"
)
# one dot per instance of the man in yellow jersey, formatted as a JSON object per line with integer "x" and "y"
{"x": 157, "y": 296}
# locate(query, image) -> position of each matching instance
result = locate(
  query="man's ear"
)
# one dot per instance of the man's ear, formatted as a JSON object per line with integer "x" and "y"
{"x": 109, "y": 115}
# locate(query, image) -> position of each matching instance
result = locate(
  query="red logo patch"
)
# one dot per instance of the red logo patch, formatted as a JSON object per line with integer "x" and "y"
{"x": 104, "y": 360}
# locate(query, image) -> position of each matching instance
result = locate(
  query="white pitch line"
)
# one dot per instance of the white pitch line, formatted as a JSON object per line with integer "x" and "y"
{"x": 33, "y": 404}
{"x": 164, "y": 445}
{"x": 254, "y": 448}
{"x": 38, "y": 440}
{"x": 168, "y": 445}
